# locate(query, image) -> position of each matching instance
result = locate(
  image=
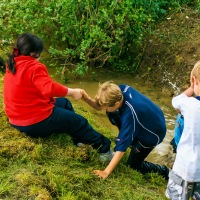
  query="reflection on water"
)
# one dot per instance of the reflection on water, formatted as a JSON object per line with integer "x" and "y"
{"x": 163, "y": 153}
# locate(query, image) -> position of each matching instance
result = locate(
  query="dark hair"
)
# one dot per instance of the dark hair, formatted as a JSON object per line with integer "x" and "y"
{"x": 27, "y": 45}
{"x": 2, "y": 64}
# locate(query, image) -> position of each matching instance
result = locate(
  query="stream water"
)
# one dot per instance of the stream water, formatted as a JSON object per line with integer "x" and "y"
{"x": 163, "y": 153}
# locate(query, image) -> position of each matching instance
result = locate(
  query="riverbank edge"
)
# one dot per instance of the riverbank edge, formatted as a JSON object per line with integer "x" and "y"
{"x": 30, "y": 168}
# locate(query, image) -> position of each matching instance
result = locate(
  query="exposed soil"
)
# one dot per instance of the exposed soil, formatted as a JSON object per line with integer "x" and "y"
{"x": 171, "y": 52}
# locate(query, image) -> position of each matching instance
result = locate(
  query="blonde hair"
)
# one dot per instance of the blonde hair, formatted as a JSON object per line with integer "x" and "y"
{"x": 108, "y": 94}
{"x": 196, "y": 70}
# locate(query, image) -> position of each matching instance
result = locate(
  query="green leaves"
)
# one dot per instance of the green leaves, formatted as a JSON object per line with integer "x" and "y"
{"x": 86, "y": 33}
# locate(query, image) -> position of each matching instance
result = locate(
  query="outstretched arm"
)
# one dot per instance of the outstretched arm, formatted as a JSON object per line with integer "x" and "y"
{"x": 89, "y": 100}
{"x": 111, "y": 166}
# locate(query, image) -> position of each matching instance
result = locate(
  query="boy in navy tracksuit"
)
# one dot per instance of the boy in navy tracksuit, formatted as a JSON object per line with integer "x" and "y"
{"x": 141, "y": 126}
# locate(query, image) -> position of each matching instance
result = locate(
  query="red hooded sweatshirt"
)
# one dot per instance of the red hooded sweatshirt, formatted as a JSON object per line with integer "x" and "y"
{"x": 28, "y": 94}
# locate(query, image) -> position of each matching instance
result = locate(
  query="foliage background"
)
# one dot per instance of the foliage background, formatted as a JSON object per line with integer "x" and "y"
{"x": 84, "y": 33}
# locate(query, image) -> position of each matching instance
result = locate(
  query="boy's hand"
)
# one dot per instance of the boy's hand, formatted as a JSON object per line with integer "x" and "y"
{"x": 89, "y": 100}
{"x": 85, "y": 96}
{"x": 101, "y": 174}
{"x": 111, "y": 166}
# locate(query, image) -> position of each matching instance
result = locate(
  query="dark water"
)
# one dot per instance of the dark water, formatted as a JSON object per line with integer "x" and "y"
{"x": 163, "y": 153}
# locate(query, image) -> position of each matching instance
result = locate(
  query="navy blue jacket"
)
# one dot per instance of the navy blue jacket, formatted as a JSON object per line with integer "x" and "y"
{"x": 141, "y": 120}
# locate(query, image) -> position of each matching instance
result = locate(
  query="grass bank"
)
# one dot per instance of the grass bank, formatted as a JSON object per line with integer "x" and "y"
{"x": 53, "y": 168}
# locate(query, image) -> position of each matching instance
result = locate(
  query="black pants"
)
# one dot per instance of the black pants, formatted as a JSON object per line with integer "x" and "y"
{"x": 64, "y": 120}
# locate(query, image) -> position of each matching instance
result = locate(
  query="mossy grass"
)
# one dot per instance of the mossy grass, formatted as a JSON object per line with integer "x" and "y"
{"x": 54, "y": 168}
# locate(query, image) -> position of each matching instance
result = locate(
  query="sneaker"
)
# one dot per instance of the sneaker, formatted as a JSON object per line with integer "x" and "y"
{"x": 106, "y": 157}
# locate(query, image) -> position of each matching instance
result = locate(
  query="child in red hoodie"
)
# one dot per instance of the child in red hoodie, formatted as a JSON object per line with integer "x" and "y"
{"x": 30, "y": 103}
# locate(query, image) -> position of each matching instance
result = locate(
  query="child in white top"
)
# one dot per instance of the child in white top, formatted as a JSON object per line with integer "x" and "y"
{"x": 184, "y": 179}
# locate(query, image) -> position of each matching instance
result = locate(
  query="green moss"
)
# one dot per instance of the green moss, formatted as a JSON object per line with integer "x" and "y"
{"x": 53, "y": 168}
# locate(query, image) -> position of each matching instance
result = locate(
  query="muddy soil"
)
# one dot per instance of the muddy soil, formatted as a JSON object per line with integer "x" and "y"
{"x": 171, "y": 52}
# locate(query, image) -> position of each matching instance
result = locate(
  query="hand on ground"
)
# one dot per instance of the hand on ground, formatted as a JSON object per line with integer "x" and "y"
{"x": 100, "y": 174}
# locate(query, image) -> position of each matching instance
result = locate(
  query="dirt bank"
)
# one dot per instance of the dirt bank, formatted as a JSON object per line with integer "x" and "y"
{"x": 171, "y": 52}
